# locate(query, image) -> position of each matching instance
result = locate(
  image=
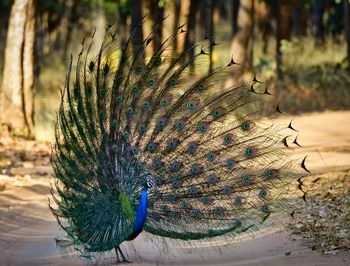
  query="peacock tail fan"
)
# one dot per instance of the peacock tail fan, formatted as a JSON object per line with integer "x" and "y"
{"x": 218, "y": 168}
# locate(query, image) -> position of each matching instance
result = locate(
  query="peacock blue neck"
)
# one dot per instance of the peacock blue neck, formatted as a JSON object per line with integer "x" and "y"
{"x": 141, "y": 214}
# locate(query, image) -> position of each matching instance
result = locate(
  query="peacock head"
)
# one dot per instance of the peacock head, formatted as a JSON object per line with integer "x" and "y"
{"x": 149, "y": 184}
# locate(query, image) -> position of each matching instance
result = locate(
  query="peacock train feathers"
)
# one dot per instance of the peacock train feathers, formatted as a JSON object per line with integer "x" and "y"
{"x": 146, "y": 144}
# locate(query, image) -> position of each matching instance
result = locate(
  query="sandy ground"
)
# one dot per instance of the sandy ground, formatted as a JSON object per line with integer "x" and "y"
{"x": 27, "y": 228}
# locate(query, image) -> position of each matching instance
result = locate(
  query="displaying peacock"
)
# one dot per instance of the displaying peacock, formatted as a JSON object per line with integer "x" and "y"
{"x": 144, "y": 144}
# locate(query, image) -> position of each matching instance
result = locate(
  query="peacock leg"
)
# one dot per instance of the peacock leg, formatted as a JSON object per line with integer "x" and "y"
{"x": 116, "y": 253}
{"x": 121, "y": 253}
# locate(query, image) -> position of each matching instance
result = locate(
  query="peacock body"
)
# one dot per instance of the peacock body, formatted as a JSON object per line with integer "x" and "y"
{"x": 147, "y": 145}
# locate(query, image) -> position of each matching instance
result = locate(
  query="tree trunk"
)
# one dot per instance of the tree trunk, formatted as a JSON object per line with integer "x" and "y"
{"x": 157, "y": 13}
{"x": 29, "y": 65}
{"x": 300, "y": 22}
{"x": 122, "y": 25}
{"x": 183, "y": 20}
{"x": 67, "y": 24}
{"x": 17, "y": 95}
{"x": 240, "y": 42}
{"x": 250, "y": 54}
{"x": 277, "y": 15}
{"x": 211, "y": 33}
{"x": 234, "y": 9}
{"x": 347, "y": 30}
{"x": 263, "y": 21}
{"x": 285, "y": 13}
{"x": 203, "y": 18}
{"x": 190, "y": 34}
{"x": 317, "y": 19}
{"x": 100, "y": 23}
{"x": 283, "y": 16}
{"x": 177, "y": 7}
{"x": 136, "y": 26}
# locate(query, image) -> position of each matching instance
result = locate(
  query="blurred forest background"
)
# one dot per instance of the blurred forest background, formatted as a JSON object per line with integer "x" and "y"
{"x": 300, "y": 48}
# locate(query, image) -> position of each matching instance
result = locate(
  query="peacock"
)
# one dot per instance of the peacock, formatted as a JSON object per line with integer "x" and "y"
{"x": 143, "y": 143}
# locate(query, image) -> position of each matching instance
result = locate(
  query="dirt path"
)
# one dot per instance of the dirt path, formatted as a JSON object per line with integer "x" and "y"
{"x": 27, "y": 228}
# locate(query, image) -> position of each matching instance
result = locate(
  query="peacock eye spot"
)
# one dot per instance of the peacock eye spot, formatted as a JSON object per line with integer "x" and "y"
{"x": 211, "y": 156}
{"x": 146, "y": 105}
{"x": 172, "y": 144}
{"x": 269, "y": 173}
{"x": 245, "y": 126}
{"x": 139, "y": 70}
{"x": 165, "y": 208}
{"x": 263, "y": 193}
{"x": 106, "y": 70}
{"x": 202, "y": 127}
{"x": 249, "y": 152}
{"x": 192, "y": 147}
{"x": 245, "y": 179}
{"x": 151, "y": 147}
{"x": 228, "y": 139}
{"x": 133, "y": 150}
{"x": 216, "y": 114}
{"x": 136, "y": 90}
{"x": 238, "y": 223}
{"x": 157, "y": 164}
{"x": 175, "y": 183}
{"x": 212, "y": 179}
{"x": 142, "y": 129}
{"x": 264, "y": 208}
{"x": 226, "y": 190}
{"x": 229, "y": 164}
{"x": 201, "y": 87}
{"x": 126, "y": 135}
{"x": 158, "y": 61}
{"x": 130, "y": 111}
{"x": 164, "y": 102}
{"x": 175, "y": 166}
{"x": 161, "y": 122}
{"x": 238, "y": 200}
{"x": 119, "y": 100}
{"x": 91, "y": 66}
{"x": 140, "y": 166}
{"x": 206, "y": 200}
{"x": 193, "y": 190}
{"x": 172, "y": 82}
{"x": 196, "y": 169}
{"x": 180, "y": 125}
{"x": 219, "y": 210}
{"x": 151, "y": 82}
{"x": 115, "y": 148}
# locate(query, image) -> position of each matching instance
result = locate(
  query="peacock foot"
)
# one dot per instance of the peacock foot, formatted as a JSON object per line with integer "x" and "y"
{"x": 119, "y": 251}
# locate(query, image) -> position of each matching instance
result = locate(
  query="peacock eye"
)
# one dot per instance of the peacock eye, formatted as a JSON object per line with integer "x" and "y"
{"x": 149, "y": 184}
{"x": 158, "y": 61}
{"x": 245, "y": 126}
{"x": 201, "y": 87}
